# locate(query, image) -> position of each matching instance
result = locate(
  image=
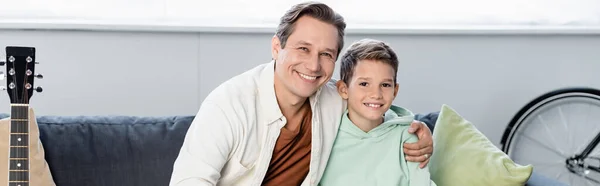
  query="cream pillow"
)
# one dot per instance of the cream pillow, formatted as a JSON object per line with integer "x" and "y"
{"x": 463, "y": 156}
{"x": 39, "y": 173}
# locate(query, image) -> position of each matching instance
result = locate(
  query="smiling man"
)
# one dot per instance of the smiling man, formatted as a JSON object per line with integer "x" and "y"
{"x": 276, "y": 123}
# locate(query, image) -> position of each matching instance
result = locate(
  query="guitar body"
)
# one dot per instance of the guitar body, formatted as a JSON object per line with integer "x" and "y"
{"x": 22, "y": 150}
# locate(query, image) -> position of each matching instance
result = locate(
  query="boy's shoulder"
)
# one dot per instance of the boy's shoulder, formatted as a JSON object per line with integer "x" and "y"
{"x": 396, "y": 112}
{"x": 402, "y": 117}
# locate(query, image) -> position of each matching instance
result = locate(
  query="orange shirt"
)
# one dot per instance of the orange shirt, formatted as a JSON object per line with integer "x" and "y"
{"x": 291, "y": 157}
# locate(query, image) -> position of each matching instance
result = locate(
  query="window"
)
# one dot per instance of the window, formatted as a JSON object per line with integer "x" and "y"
{"x": 375, "y": 13}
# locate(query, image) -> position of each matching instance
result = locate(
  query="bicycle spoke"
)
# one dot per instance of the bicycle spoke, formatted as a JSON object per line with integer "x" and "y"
{"x": 579, "y": 177}
{"x": 584, "y": 145}
{"x": 558, "y": 175}
{"x": 547, "y": 163}
{"x": 587, "y": 179}
{"x": 587, "y": 118}
{"x": 542, "y": 145}
{"x": 571, "y": 178}
{"x": 564, "y": 122}
{"x": 550, "y": 135}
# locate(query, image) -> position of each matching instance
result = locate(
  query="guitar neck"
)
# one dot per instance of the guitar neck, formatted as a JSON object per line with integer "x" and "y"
{"x": 19, "y": 145}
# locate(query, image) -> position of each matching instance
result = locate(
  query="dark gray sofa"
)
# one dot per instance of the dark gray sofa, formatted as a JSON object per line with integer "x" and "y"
{"x": 127, "y": 150}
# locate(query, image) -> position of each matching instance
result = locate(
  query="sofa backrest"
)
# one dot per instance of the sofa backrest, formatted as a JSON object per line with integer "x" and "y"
{"x": 118, "y": 150}
{"x": 111, "y": 150}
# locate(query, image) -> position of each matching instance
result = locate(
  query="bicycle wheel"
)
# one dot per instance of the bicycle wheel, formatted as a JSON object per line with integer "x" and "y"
{"x": 553, "y": 130}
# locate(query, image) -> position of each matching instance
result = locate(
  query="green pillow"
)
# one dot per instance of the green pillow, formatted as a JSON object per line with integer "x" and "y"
{"x": 463, "y": 156}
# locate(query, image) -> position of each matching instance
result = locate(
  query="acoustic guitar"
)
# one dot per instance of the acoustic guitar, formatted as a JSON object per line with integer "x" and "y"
{"x": 20, "y": 74}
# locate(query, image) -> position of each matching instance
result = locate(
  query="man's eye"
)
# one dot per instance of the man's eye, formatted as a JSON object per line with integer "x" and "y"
{"x": 327, "y": 54}
{"x": 387, "y": 85}
{"x": 303, "y": 49}
{"x": 363, "y": 84}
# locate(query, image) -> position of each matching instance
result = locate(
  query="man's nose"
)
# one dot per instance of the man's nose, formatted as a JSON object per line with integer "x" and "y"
{"x": 313, "y": 64}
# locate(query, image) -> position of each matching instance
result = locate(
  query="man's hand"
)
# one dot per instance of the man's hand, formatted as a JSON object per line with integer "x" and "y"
{"x": 421, "y": 150}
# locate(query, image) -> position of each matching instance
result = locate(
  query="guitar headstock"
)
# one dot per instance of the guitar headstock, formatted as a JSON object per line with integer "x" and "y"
{"x": 20, "y": 74}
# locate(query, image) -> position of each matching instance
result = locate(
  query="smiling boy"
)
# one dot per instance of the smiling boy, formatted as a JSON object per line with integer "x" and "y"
{"x": 367, "y": 149}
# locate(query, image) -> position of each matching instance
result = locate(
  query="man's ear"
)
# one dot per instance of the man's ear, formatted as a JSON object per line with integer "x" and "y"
{"x": 275, "y": 47}
{"x": 342, "y": 89}
{"x": 396, "y": 90}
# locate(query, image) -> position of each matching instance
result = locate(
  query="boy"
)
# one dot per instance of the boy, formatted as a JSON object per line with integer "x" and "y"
{"x": 364, "y": 152}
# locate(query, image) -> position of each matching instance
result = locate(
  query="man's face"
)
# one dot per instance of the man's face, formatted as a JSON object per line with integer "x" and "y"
{"x": 308, "y": 59}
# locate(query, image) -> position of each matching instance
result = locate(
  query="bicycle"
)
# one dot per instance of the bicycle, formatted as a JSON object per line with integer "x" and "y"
{"x": 570, "y": 148}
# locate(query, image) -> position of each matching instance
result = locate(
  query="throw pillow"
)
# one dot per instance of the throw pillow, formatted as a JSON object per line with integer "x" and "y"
{"x": 463, "y": 156}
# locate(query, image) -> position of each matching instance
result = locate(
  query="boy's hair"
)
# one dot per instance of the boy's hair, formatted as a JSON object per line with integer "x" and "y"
{"x": 316, "y": 10}
{"x": 367, "y": 49}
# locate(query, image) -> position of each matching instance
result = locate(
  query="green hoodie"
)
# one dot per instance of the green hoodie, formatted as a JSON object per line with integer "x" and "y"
{"x": 375, "y": 157}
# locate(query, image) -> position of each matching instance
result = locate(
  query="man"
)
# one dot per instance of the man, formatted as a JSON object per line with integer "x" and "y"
{"x": 275, "y": 124}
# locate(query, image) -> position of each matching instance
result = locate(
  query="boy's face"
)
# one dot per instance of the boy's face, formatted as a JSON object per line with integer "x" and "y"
{"x": 371, "y": 90}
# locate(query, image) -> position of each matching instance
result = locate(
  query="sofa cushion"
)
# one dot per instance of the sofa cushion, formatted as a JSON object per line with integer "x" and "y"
{"x": 464, "y": 156}
{"x": 112, "y": 150}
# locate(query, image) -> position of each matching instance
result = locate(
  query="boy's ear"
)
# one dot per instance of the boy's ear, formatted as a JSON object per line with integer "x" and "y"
{"x": 396, "y": 90}
{"x": 342, "y": 89}
{"x": 275, "y": 47}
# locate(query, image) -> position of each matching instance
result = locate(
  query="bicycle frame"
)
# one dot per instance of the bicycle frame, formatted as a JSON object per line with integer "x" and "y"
{"x": 578, "y": 161}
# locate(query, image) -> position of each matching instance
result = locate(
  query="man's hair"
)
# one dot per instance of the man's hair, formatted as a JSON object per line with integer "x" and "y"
{"x": 316, "y": 10}
{"x": 367, "y": 49}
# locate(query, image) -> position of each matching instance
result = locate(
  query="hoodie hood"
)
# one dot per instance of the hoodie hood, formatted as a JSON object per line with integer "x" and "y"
{"x": 394, "y": 117}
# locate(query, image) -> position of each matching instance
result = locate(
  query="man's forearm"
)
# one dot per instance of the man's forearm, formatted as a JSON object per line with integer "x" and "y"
{"x": 205, "y": 149}
{"x": 188, "y": 174}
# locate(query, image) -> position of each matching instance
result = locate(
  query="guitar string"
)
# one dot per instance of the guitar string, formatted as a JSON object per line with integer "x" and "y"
{"x": 13, "y": 114}
{"x": 14, "y": 93}
{"x": 24, "y": 126}
{"x": 19, "y": 116}
{"x": 25, "y": 110}
{"x": 19, "y": 174}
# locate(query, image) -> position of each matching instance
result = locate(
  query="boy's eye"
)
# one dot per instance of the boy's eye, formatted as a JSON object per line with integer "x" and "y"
{"x": 363, "y": 84}
{"x": 387, "y": 85}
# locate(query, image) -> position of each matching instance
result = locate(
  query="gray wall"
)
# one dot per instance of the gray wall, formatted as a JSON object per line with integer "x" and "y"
{"x": 486, "y": 77}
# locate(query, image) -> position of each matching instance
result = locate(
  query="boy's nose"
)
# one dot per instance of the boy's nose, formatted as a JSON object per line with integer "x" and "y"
{"x": 376, "y": 94}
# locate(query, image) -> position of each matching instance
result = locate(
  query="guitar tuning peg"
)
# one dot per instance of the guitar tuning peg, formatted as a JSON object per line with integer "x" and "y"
{"x": 38, "y": 89}
{"x": 39, "y": 76}
{"x": 2, "y": 88}
{"x": 2, "y": 63}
